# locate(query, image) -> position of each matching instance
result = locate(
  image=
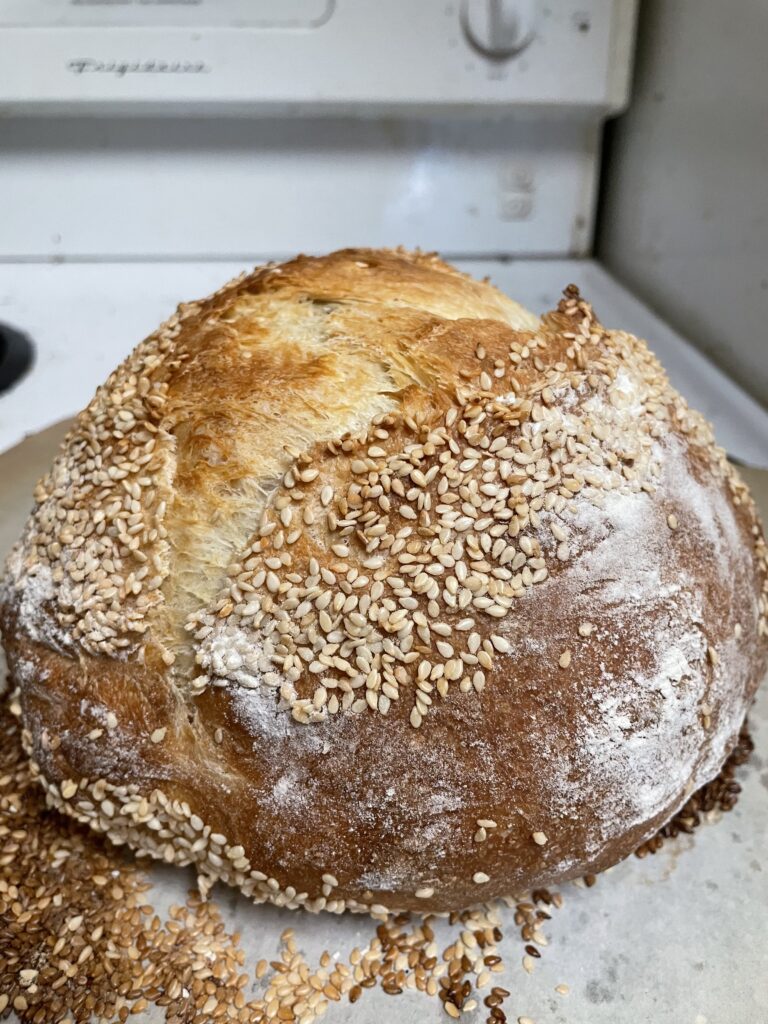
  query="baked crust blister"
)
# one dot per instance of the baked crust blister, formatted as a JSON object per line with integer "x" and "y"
{"x": 359, "y": 586}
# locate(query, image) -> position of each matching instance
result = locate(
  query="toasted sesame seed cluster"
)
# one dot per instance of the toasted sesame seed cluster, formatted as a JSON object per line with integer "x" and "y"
{"x": 96, "y": 541}
{"x": 444, "y": 520}
{"x": 360, "y": 587}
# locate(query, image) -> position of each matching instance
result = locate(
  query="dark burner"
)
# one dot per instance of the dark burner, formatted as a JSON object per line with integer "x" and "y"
{"x": 16, "y": 356}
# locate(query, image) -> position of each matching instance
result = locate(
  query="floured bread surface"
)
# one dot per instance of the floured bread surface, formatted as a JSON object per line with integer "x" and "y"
{"x": 359, "y": 586}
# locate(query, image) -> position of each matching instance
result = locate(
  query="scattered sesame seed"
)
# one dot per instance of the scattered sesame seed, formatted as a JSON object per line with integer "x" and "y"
{"x": 158, "y": 735}
{"x": 539, "y": 838}
{"x": 194, "y": 937}
{"x": 480, "y": 878}
{"x": 565, "y": 659}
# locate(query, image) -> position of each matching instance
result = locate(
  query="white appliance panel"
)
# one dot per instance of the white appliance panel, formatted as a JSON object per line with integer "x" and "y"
{"x": 68, "y": 55}
{"x": 194, "y": 14}
{"x": 201, "y": 189}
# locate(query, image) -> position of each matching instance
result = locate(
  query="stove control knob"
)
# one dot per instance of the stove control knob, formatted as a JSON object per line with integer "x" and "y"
{"x": 499, "y": 29}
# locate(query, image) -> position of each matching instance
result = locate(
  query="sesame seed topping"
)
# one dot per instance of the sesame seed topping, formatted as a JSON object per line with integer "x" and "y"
{"x": 565, "y": 659}
{"x": 480, "y": 878}
{"x": 539, "y": 838}
{"x": 158, "y": 735}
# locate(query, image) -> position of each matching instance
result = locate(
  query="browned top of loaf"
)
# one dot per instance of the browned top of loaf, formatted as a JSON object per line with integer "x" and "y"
{"x": 346, "y": 494}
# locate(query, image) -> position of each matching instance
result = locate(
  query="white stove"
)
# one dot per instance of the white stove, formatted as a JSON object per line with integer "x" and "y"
{"x": 151, "y": 149}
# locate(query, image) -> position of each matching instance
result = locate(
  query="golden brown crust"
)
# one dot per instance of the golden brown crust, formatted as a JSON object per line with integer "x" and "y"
{"x": 358, "y": 586}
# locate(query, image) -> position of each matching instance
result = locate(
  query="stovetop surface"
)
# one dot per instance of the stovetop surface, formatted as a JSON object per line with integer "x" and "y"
{"x": 83, "y": 318}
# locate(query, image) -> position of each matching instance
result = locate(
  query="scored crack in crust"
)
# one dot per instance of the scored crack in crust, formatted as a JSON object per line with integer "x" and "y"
{"x": 357, "y": 585}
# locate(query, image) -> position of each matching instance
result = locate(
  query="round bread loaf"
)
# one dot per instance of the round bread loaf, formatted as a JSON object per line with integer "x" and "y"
{"x": 358, "y": 586}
